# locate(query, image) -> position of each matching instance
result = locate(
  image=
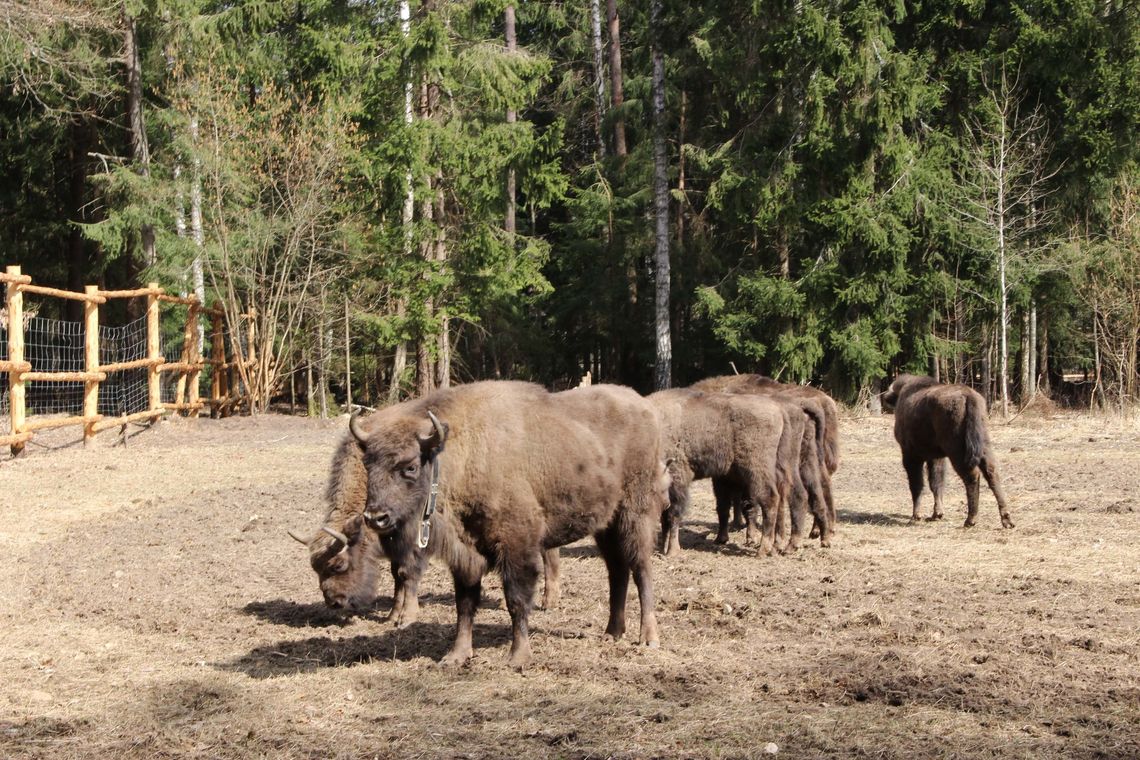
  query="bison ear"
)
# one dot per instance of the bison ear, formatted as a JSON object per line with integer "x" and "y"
{"x": 434, "y": 439}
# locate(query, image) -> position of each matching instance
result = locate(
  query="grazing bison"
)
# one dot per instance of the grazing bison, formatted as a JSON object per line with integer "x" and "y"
{"x": 748, "y": 445}
{"x": 347, "y": 559}
{"x": 520, "y": 471}
{"x": 934, "y": 422}
{"x": 822, "y": 414}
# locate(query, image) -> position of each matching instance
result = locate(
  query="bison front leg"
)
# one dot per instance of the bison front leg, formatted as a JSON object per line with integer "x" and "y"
{"x": 467, "y": 593}
{"x": 913, "y": 467}
{"x": 936, "y": 474}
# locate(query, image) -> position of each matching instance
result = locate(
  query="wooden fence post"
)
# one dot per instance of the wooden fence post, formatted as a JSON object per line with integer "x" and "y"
{"x": 153, "y": 382}
{"x": 193, "y": 377}
{"x": 91, "y": 363}
{"x": 16, "y": 394}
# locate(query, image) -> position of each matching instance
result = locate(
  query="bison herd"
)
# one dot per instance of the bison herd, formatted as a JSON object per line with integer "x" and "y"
{"x": 502, "y": 473}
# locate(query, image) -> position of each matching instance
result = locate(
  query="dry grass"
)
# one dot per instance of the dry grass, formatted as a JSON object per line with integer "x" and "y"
{"x": 154, "y": 607}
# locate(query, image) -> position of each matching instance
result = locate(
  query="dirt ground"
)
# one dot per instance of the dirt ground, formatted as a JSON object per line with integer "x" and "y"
{"x": 153, "y": 606}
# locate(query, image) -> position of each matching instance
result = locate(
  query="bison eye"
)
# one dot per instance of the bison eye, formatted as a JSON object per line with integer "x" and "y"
{"x": 410, "y": 470}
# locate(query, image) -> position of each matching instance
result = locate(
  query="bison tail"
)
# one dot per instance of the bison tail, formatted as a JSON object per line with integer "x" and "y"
{"x": 976, "y": 436}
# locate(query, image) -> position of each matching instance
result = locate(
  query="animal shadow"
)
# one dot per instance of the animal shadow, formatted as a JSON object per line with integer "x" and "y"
{"x": 870, "y": 518}
{"x": 431, "y": 640}
{"x": 317, "y": 615}
{"x": 694, "y": 536}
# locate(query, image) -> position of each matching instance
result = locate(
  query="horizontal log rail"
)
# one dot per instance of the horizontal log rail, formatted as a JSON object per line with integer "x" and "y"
{"x": 131, "y": 293}
{"x": 16, "y": 279}
{"x": 17, "y": 367}
{"x": 179, "y": 367}
{"x": 16, "y": 439}
{"x": 64, "y": 377}
{"x": 111, "y": 422}
{"x": 136, "y": 364}
{"x": 57, "y": 293}
{"x": 184, "y": 406}
{"x": 46, "y": 423}
{"x": 184, "y": 300}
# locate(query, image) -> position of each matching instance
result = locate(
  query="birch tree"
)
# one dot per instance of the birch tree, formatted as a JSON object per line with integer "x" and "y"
{"x": 1006, "y": 184}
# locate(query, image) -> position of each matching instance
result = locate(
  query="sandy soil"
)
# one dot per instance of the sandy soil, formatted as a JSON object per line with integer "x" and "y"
{"x": 153, "y": 606}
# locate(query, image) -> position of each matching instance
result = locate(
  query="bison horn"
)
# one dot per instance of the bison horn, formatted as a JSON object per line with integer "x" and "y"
{"x": 439, "y": 434}
{"x": 356, "y": 430}
{"x": 335, "y": 534}
{"x": 305, "y": 541}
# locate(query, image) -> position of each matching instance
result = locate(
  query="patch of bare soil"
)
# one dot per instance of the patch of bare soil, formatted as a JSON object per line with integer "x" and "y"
{"x": 153, "y": 606}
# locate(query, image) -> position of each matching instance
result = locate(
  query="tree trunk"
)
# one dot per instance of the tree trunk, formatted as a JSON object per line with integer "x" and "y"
{"x": 663, "y": 371}
{"x": 681, "y": 174}
{"x": 347, "y": 358}
{"x": 400, "y": 358}
{"x": 140, "y": 151}
{"x": 196, "y": 231}
{"x": 1046, "y": 385}
{"x": 1032, "y": 348}
{"x": 599, "y": 75}
{"x": 987, "y": 365}
{"x": 616, "y": 92}
{"x": 1026, "y": 350}
{"x": 512, "y": 117}
{"x": 78, "y": 265}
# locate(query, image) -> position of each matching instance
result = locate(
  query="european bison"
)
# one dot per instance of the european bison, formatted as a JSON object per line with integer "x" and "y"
{"x": 748, "y": 445}
{"x": 520, "y": 471}
{"x": 821, "y": 414}
{"x": 934, "y": 422}
{"x": 347, "y": 557}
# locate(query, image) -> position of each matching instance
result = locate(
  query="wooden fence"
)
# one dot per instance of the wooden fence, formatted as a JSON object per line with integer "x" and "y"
{"x": 224, "y": 389}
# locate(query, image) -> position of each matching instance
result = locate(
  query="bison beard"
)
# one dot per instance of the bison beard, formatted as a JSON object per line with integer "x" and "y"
{"x": 935, "y": 422}
{"x": 523, "y": 471}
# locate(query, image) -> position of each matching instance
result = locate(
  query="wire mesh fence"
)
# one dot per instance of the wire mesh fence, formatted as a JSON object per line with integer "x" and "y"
{"x": 51, "y": 376}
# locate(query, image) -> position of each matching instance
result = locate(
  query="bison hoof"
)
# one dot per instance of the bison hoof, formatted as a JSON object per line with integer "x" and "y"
{"x": 935, "y": 516}
{"x": 738, "y": 525}
{"x": 721, "y": 538}
{"x": 1006, "y": 522}
{"x": 454, "y": 659}
{"x": 825, "y": 543}
{"x": 915, "y": 519}
{"x": 654, "y": 644}
{"x": 969, "y": 523}
{"x": 814, "y": 533}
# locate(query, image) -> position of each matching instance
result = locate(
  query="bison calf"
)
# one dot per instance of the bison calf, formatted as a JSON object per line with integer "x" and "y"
{"x": 936, "y": 422}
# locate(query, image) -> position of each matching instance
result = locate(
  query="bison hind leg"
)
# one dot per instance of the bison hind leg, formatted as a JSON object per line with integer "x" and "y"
{"x": 520, "y": 576}
{"x": 936, "y": 474}
{"x": 913, "y": 467}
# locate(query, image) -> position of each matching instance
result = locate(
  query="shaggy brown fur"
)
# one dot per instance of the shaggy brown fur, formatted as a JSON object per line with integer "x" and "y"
{"x": 523, "y": 471}
{"x": 348, "y": 574}
{"x": 935, "y": 422}
{"x": 748, "y": 445}
{"x": 813, "y": 402}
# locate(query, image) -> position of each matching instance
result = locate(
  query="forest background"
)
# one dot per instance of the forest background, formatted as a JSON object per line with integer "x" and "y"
{"x": 439, "y": 191}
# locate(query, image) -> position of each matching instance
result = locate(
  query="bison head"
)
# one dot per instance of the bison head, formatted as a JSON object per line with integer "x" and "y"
{"x": 346, "y": 562}
{"x": 399, "y": 463}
